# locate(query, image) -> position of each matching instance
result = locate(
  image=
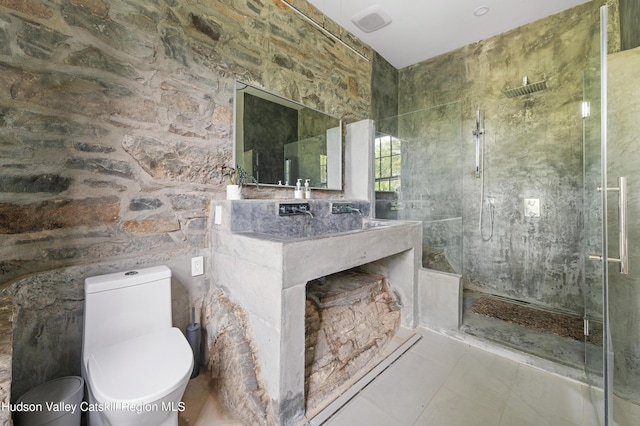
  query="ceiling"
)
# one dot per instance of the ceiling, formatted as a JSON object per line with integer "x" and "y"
{"x": 422, "y": 29}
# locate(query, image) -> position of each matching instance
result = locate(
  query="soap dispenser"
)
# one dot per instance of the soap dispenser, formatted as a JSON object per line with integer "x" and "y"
{"x": 307, "y": 189}
{"x": 297, "y": 193}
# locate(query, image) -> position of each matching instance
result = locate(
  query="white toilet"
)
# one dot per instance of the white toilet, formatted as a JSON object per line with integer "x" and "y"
{"x": 135, "y": 364}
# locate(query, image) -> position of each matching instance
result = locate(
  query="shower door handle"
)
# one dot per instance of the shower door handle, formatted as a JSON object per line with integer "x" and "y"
{"x": 623, "y": 239}
{"x": 623, "y": 235}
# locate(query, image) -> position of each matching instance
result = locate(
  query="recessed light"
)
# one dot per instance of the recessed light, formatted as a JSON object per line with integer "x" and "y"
{"x": 481, "y": 10}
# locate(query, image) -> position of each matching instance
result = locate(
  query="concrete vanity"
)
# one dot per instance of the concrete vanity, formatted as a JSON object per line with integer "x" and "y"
{"x": 264, "y": 261}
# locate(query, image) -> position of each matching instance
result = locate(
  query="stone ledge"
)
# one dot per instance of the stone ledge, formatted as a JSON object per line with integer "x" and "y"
{"x": 151, "y": 226}
{"x": 50, "y": 183}
{"x": 56, "y": 214}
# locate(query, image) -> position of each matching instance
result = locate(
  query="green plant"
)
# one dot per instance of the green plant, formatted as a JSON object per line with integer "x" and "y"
{"x": 237, "y": 175}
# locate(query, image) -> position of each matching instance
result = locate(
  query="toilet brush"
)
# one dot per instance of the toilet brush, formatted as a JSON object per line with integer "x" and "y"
{"x": 193, "y": 337}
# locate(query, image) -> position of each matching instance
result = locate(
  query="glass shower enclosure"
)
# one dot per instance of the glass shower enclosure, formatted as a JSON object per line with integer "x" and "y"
{"x": 422, "y": 173}
{"x": 418, "y": 176}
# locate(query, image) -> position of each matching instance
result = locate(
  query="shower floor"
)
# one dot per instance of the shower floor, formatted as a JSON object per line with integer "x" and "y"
{"x": 538, "y": 319}
{"x": 525, "y": 328}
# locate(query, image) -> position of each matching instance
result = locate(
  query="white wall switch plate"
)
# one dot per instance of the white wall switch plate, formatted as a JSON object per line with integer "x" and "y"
{"x": 218, "y": 215}
{"x": 197, "y": 266}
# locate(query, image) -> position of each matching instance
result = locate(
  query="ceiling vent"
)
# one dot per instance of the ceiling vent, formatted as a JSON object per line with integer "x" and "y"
{"x": 371, "y": 19}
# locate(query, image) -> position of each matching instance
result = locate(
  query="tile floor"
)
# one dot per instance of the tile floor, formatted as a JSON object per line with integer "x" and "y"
{"x": 445, "y": 382}
{"x": 201, "y": 406}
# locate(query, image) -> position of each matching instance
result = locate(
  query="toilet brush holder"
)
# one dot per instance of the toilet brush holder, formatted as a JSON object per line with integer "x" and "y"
{"x": 193, "y": 337}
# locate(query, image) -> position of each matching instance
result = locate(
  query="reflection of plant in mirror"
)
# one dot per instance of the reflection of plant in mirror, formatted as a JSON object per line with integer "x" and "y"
{"x": 237, "y": 175}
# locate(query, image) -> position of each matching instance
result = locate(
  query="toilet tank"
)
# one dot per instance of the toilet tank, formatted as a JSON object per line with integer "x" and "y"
{"x": 124, "y": 305}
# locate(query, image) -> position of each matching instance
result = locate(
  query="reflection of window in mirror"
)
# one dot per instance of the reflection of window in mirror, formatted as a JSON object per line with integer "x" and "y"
{"x": 323, "y": 169}
{"x": 388, "y": 163}
{"x": 287, "y": 171}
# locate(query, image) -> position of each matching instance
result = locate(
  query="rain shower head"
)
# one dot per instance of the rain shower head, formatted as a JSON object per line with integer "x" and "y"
{"x": 526, "y": 88}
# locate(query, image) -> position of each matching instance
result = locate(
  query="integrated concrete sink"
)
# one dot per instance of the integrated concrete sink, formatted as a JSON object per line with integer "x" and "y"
{"x": 264, "y": 261}
{"x": 364, "y": 224}
{"x": 262, "y": 219}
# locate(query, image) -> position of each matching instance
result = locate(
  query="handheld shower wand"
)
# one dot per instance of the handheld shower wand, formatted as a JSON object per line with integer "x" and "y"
{"x": 479, "y": 134}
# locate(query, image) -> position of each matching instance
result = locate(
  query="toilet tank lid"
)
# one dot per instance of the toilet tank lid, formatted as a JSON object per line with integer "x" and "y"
{"x": 125, "y": 279}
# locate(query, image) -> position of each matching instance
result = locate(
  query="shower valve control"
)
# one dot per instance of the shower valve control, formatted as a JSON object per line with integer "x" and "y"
{"x": 531, "y": 207}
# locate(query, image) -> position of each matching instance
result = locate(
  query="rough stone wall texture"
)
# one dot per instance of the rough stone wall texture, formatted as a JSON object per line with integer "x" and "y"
{"x": 122, "y": 114}
{"x": 533, "y": 149}
{"x": 6, "y": 355}
{"x": 232, "y": 363}
{"x": 349, "y": 318}
{"x": 115, "y": 119}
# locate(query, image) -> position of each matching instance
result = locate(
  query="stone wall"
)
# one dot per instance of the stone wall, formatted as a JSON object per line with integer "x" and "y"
{"x": 233, "y": 363}
{"x": 6, "y": 356}
{"x": 115, "y": 119}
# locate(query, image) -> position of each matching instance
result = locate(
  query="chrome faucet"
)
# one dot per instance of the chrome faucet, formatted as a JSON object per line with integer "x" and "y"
{"x": 301, "y": 210}
{"x": 339, "y": 208}
{"x": 356, "y": 211}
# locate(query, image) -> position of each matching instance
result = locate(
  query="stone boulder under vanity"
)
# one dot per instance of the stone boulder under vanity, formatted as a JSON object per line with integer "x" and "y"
{"x": 349, "y": 319}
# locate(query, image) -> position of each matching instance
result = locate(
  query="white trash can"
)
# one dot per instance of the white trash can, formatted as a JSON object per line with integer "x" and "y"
{"x": 54, "y": 403}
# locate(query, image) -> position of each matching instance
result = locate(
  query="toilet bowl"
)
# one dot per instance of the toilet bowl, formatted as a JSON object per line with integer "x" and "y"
{"x": 135, "y": 364}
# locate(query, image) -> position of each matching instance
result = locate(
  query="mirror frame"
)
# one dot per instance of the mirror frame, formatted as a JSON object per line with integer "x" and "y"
{"x": 335, "y": 164}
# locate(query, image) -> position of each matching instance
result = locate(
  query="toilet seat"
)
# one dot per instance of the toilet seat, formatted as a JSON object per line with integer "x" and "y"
{"x": 140, "y": 370}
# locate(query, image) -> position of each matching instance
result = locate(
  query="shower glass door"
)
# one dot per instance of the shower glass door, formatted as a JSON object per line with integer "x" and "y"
{"x": 418, "y": 176}
{"x": 598, "y": 348}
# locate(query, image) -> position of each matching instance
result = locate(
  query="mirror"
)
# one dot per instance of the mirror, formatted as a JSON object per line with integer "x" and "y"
{"x": 279, "y": 141}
